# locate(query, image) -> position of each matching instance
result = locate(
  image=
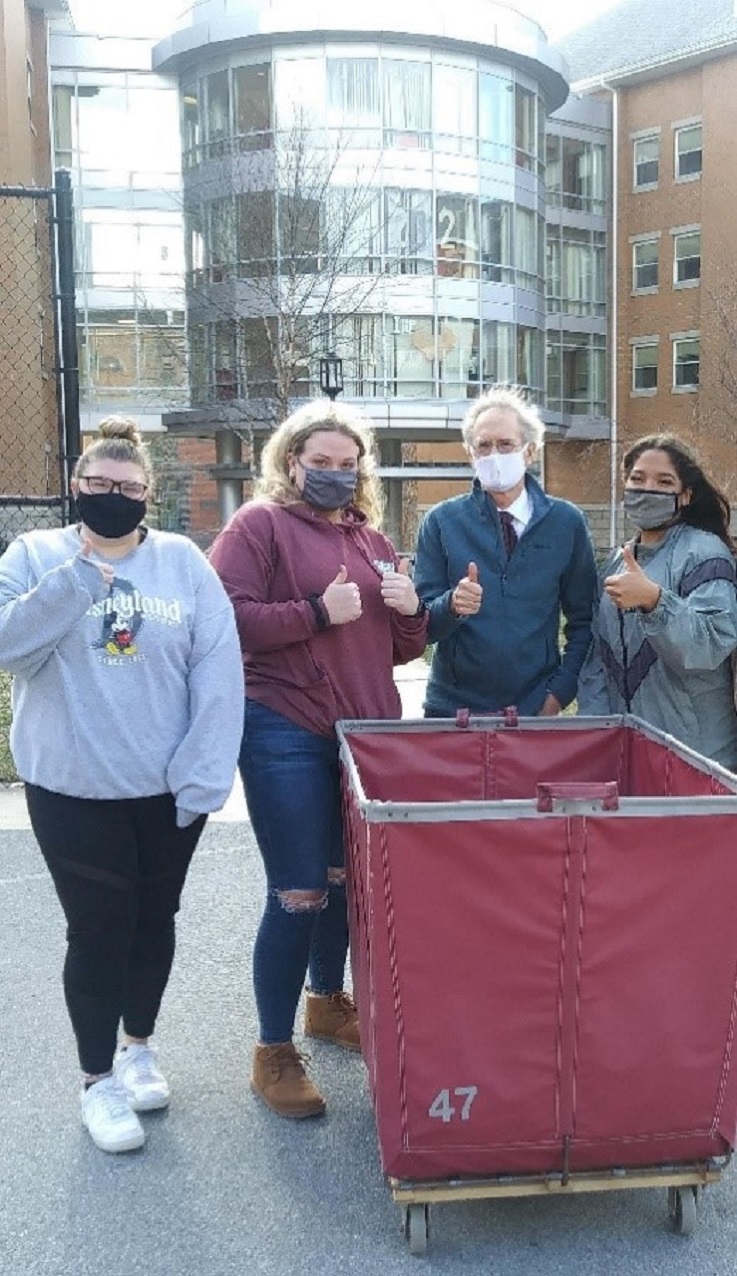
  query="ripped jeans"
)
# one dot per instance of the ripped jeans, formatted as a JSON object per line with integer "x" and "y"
{"x": 292, "y": 785}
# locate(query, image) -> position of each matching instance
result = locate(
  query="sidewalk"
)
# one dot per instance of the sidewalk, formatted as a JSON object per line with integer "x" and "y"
{"x": 410, "y": 679}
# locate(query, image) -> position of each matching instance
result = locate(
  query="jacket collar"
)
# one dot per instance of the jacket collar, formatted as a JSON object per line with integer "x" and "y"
{"x": 539, "y": 499}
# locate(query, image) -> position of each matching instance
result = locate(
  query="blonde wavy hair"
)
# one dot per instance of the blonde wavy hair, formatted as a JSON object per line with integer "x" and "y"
{"x": 290, "y": 438}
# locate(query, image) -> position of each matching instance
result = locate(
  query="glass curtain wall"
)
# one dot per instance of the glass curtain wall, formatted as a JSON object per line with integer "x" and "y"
{"x": 338, "y": 104}
{"x": 129, "y": 250}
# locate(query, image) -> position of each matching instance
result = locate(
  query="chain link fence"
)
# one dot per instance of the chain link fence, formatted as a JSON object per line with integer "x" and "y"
{"x": 31, "y": 426}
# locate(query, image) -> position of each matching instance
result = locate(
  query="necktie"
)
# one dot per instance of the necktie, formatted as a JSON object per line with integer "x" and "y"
{"x": 508, "y": 532}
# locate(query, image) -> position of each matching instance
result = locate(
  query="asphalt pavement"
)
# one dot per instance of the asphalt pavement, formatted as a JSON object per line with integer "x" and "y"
{"x": 223, "y": 1187}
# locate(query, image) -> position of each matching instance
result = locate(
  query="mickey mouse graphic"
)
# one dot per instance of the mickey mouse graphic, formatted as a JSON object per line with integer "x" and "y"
{"x": 119, "y": 632}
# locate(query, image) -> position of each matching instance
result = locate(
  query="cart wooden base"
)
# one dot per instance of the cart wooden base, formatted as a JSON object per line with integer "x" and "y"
{"x": 683, "y": 1183}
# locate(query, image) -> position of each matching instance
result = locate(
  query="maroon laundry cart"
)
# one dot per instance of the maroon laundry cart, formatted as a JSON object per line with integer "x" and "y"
{"x": 544, "y": 947}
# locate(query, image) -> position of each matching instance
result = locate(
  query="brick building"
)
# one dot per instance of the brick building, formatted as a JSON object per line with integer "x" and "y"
{"x": 670, "y": 70}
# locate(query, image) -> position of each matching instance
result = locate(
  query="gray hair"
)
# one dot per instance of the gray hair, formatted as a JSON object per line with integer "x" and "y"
{"x": 508, "y": 398}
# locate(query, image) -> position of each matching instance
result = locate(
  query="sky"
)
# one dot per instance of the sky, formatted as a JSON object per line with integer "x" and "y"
{"x": 156, "y": 18}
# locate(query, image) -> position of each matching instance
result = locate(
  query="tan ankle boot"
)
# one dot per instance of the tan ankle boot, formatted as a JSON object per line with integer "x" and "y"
{"x": 280, "y": 1079}
{"x": 333, "y": 1018}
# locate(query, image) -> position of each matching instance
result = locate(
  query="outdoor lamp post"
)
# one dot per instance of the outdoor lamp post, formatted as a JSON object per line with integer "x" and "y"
{"x": 331, "y": 376}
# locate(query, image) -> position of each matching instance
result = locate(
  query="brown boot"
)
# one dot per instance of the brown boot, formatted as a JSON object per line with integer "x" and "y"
{"x": 333, "y": 1017}
{"x": 280, "y": 1079}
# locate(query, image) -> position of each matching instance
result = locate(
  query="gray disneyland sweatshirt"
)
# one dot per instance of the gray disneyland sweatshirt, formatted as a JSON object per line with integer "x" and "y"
{"x": 121, "y": 691}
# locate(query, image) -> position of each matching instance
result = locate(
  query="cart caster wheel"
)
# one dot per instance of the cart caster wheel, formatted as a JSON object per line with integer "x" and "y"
{"x": 682, "y": 1209}
{"x": 415, "y": 1228}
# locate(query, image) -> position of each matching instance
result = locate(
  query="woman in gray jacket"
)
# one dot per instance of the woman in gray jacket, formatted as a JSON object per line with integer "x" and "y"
{"x": 666, "y": 622}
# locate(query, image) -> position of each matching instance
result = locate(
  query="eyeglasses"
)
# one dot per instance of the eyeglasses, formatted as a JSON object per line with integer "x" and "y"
{"x": 96, "y": 485}
{"x": 484, "y": 447}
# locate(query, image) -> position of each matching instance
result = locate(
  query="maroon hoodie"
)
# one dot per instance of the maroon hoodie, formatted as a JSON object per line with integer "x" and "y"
{"x": 275, "y": 562}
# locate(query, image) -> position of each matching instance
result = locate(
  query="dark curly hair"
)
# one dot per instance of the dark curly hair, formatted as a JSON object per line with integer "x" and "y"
{"x": 708, "y": 508}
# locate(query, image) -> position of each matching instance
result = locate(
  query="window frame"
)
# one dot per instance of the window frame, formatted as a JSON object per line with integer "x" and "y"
{"x": 693, "y": 175}
{"x": 687, "y": 281}
{"x": 651, "y": 183}
{"x": 646, "y": 343}
{"x": 637, "y": 286}
{"x": 681, "y": 339}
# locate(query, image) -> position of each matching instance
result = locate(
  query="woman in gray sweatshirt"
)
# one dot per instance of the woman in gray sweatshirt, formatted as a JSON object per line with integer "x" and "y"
{"x": 126, "y": 727}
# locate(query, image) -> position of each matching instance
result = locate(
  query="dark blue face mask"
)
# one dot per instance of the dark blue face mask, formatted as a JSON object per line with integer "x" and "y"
{"x": 328, "y": 489}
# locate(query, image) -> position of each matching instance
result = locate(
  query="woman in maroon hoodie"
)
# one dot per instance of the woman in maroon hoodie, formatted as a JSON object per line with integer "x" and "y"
{"x": 325, "y": 610}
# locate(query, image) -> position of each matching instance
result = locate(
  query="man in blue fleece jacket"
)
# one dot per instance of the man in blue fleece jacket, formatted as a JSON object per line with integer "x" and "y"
{"x": 497, "y": 567}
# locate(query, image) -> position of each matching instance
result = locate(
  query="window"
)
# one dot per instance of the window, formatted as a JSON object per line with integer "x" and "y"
{"x": 527, "y": 248}
{"x": 407, "y": 104}
{"x": 190, "y": 127}
{"x": 300, "y": 233}
{"x": 252, "y": 106}
{"x": 411, "y": 356}
{"x": 221, "y": 241}
{"x": 686, "y": 363}
{"x": 353, "y": 99}
{"x": 525, "y": 127}
{"x": 645, "y": 367}
{"x": 458, "y": 357}
{"x": 457, "y": 237}
{"x": 454, "y": 99}
{"x": 408, "y": 231}
{"x": 218, "y": 112}
{"x": 576, "y": 271}
{"x": 255, "y": 234}
{"x": 352, "y": 230}
{"x": 646, "y": 157}
{"x": 575, "y": 174}
{"x": 226, "y": 361}
{"x": 688, "y": 151}
{"x": 496, "y": 118}
{"x": 299, "y": 92}
{"x": 645, "y": 264}
{"x": 576, "y": 374}
{"x": 358, "y": 340}
{"x": 257, "y": 340}
{"x": 687, "y": 258}
{"x": 498, "y": 353}
{"x": 497, "y": 243}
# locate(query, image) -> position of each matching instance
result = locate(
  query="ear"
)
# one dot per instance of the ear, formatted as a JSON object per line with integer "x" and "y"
{"x": 684, "y": 497}
{"x": 530, "y": 452}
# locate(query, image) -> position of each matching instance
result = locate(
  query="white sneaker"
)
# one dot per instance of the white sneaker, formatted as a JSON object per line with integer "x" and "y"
{"x": 107, "y": 1115}
{"x": 135, "y": 1068}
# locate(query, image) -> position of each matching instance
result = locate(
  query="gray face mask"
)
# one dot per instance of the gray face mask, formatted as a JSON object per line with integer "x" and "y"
{"x": 650, "y": 510}
{"x": 328, "y": 489}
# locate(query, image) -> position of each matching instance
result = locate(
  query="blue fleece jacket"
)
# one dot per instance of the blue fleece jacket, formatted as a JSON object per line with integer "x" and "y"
{"x": 509, "y": 653}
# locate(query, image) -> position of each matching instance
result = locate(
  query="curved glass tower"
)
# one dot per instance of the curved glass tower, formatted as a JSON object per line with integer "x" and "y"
{"x": 371, "y": 183}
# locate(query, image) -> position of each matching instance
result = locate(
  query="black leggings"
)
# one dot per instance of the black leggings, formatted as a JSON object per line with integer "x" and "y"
{"x": 118, "y": 868}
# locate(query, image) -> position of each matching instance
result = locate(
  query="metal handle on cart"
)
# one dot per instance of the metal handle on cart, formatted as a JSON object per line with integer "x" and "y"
{"x": 510, "y": 715}
{"x": 578, "y": 799}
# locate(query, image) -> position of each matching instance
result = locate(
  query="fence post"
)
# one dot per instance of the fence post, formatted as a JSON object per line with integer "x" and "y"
{"x": 68, "y": 319}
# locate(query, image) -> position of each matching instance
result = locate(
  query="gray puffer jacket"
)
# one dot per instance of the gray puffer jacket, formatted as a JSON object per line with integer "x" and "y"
{"x": 671, "y": 666}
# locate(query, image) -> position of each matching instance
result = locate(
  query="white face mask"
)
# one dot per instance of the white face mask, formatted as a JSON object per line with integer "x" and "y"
{"x": 500, "y": 471}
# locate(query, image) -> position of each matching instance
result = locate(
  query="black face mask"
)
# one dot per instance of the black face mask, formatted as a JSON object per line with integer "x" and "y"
{"x": 110, "y": 515}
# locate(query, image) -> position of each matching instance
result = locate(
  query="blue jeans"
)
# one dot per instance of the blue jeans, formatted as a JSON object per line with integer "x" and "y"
{"x": 292, "y": 785}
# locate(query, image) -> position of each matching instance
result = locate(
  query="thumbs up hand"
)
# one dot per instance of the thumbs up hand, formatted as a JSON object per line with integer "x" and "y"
{"x": 398, "y": 591}
{"x": 631, "y": 588}
{"x": 466, "y": 597}
{"x": 342, "y": 599}
{"x": 106, "y": 570}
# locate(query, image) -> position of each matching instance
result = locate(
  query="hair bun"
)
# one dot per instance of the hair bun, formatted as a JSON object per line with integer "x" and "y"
{"x": 120, "y": 427}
